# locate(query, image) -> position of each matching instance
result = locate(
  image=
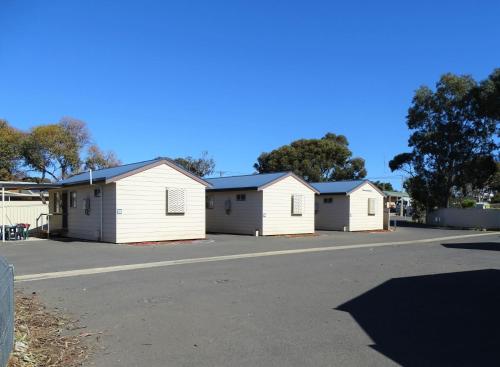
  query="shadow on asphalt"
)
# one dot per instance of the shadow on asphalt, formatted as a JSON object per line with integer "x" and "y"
{"x": 450, "y": 319}
{"x": 490, "y": 246}
{"x": 410, "y": 224}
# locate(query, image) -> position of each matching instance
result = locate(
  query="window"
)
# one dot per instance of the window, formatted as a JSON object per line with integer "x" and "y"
{"x": 175, "y": 199}
{"x": 210, "y": 202}
{"x": 72, "y": 199}
{"x": 328, "y": 200}
{"x": 371, "y": 206}
{"x": 227, "y": 206}
{"x": 241, "y": 197}
{"x": 57, "y": 202}
{"x": 297, "y": 202}
{"x": 86, "y": 206}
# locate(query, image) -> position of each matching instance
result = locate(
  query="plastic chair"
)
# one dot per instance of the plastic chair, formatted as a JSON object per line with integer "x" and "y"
{"x": 23, "y": 229}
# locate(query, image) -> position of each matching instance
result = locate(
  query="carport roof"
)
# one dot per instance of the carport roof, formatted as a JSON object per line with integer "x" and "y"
{"x": 339, "y": 187}
{"x": 27, "y": 185}
{"x": 250, "y": 182}
{"x": 396, "y": 193}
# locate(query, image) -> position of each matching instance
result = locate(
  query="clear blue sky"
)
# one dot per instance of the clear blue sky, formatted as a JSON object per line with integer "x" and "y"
{"x": 233, "y": 77}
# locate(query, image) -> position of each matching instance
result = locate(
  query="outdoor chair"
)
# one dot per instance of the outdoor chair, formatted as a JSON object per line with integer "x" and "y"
{"x": 23, "y": 230}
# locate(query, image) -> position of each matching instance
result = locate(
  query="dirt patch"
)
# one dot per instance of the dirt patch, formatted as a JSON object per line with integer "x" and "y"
{"x": 45, "y": 339}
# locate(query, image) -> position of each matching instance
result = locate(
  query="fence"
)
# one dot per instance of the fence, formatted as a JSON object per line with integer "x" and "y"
{"x": 6, "y": 311}
{"x": 465, "y": 218}
{"x": 24, "y": 212}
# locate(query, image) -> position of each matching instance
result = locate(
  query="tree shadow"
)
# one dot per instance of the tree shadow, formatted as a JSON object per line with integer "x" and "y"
{"x": 450, "y": 319}
{"x": 490, "y": 246}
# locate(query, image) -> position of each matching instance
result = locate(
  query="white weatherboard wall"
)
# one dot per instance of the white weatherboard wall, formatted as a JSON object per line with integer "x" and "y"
{"x": 87, "y": 226}
{"x": 359, "y": 219}
{"x": 25, "y": 212}
{"x": 141, "y": 207}
{"x": 277, "y": 208}
{"x": 245, "y": 217}
{"x": 334, "y": 215}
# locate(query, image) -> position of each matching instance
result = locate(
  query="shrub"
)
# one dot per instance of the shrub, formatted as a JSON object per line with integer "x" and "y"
{"x": 468, "y": 203}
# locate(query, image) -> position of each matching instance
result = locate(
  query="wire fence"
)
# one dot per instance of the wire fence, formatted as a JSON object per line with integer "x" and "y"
{"x": 6, "y": 311}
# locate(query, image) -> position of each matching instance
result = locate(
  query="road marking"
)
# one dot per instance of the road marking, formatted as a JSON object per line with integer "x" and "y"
{"x": 159, "y": 264}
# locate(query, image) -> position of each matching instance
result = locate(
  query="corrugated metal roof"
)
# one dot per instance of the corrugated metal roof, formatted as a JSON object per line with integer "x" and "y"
{"x": 244, "y": 182}
{"x": 105, "y": 173}
{"x": 16, "y": 185}
{"x": 337, "y": 187}
{"x": 396, "y": 193}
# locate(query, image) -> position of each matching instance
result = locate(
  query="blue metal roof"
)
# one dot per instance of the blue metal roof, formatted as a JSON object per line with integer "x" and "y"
{"x": 105, "y": 173}
{"x": 109, "y": 173}
{"x": 337, "y": 187}
{"x": 249, "y": 182}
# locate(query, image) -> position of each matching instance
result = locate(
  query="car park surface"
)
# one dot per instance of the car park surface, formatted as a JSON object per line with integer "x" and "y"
{"x": 430, "y": 301}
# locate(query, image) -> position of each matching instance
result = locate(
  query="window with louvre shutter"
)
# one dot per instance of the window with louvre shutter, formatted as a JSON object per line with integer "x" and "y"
{"x": 175, "y": 201}
{"x": 371, "y": 206}
{"x": 297, "y": 203}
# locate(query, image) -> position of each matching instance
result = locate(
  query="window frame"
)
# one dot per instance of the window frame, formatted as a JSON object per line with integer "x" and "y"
{"x": 328, "y": 200}
{"x": 294, "y": 198}
{"x": 57, "y": 206}
{"x": 73, "y": 199}
{"x": 373, "y": 210}
{"x": 241, "y": 197}
{"x": 210, "y": 202}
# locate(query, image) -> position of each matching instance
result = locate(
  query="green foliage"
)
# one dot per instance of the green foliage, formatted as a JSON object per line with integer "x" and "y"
{"x": 384, "y": 186}
{"x": 97, "y": 159}
{"x": 496, "y": 199}
{"x": 203, "y": 166}
{"x": 54, "y": 150}
{"x": 452, "y": 141}
{"x": 51, "y": 150}
{"x": 468, "y": 203}
{"x": 10, "y": 152}
{"x": 325, "y": 159}
{"x": 488, "y": 96}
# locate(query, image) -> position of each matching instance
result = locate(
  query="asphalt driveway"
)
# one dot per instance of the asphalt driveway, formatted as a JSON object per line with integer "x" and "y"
{"x": 421, "y": 303}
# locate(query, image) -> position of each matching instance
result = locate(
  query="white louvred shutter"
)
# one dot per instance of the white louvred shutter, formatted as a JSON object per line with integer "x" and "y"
{"x": 297, "y": 204}
{"x": 176, "y": 201}
{"x": 371, "y": 206}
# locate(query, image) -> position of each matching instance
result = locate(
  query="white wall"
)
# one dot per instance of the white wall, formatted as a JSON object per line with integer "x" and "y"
{"x": 465, "y": 218}
{"x": 24, "y": 212}
{"x": 87, "y": 226}
{"x": 245, "y": 217}
{"x": 332, "y": 216}
{"x": 141, "y": 198}
{"x": 277, "y": 208}
{"x": 358, "y": 202}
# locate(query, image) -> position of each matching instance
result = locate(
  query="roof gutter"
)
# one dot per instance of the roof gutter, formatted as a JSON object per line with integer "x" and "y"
{"x": 233, "y": 189}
